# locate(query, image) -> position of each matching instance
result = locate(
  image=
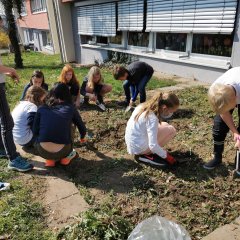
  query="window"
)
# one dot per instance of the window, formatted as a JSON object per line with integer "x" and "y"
{"x": 46, "y": 38}
{"x": 138, "y": 39}
{"x": 23, "y": 8}
{"x": 212, "y": 44}
{"x": 97, "y": 20}
{"x": 171, "y": 41}
{"x": 38, "y": 6}
{"x": 102, "y": 40}
{"x": 85, "y": 39}
{"x": 117, "y": 39}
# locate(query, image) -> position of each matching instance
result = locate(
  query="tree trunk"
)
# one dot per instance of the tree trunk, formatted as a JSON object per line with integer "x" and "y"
{"x": 12, "y": 32}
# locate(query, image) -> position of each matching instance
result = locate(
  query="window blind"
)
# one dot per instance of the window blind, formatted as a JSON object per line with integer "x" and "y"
{"x": 97, "y": 20}
{"x": 130, "y": 15}
{"x": 198, "y": 16}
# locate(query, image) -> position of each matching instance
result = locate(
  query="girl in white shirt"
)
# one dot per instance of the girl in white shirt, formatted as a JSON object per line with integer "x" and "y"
{"x": 23, "y": 116}
{"x": 146, "y": 133}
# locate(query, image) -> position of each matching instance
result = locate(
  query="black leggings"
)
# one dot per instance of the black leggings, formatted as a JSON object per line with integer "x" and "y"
{"x": 6, "y": 121}
{"x": 220, "y": 130}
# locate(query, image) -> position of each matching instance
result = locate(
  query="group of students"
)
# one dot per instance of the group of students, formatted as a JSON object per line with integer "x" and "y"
{"x": 43, "y": 119}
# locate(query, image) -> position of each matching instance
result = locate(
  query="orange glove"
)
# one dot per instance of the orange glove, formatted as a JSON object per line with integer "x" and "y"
{"x": 83, "y": 140}
{"x": 170, "y": 159}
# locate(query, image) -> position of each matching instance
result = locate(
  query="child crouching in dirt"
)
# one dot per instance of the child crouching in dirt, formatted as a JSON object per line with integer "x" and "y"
{"x": 93, "y": 87}
{"x": 224, "y": 97}
{"x": 52, "y": 126}
{"x": 146, "y": 133}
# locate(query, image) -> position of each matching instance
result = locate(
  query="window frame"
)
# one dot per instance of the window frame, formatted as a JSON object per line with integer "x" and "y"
{"x": 38, "y": 6}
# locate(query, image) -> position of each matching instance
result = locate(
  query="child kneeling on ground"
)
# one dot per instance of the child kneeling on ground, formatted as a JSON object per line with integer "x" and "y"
{"x": 23, "y": 116}
{"x": 93, "y": 87}
{"x": 52, "y": 126}
{"x": 146, "y": 133}
{"x": 38, "y": 80}
{"x": 224, "y": 97}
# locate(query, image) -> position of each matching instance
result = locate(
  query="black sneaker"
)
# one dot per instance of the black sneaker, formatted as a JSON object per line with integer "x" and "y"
{"x": 215, "y": 162}
{"x": 153, "y": 159}
{"x": 84, "y": 100}
{"x": 123, "y": 103}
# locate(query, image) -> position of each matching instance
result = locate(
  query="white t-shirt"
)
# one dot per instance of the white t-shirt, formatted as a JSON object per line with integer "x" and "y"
{"x": 231, "y": 77}
{"x": 141, "y": 135}
{"x": 2, "y": 76}
{"x": 22, "y": 132}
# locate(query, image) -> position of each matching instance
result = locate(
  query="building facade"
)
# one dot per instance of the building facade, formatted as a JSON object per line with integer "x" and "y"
{"x": 195, "y": 38}
{"x": 34, "y": 26}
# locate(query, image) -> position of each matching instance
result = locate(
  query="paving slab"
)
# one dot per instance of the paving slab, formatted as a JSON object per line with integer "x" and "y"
{"x": 227, "y": 232}
{"x": 62, "y": 199}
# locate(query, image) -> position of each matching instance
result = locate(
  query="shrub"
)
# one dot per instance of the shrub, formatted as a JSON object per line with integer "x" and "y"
{"x": 4, "y": 40}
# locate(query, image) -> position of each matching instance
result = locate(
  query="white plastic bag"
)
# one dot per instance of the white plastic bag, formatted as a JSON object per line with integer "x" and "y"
{"x": 158, "y": 228}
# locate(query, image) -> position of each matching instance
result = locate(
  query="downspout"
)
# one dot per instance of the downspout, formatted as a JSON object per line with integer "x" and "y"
{"x": 50, "y": 29}
{"x": 56, "y": 14}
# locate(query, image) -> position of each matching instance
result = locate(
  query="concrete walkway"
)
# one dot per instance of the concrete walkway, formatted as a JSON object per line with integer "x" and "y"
{"x": 227, "y": 232}
{"x": 62, "y": 199}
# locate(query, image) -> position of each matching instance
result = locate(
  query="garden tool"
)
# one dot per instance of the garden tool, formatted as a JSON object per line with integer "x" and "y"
{"x": 236, "y": 172}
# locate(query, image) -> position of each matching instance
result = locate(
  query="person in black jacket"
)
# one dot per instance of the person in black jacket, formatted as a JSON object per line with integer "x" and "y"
{"x": 136, "y": 77}
{"x": 52, "y": 127}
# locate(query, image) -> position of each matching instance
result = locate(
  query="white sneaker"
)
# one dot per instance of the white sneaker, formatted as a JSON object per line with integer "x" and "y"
{"x": 101, "y": 106}
{"x": 4, "y": 186}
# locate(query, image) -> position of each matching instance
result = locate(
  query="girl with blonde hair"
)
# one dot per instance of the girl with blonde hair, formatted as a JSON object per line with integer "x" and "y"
{"x": 93, "y": 87}
{"x": 69, "y": 78}
{"x": 146, "y": 133}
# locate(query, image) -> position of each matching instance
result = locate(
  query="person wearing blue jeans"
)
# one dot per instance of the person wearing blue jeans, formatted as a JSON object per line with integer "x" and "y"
{"x": 7, "y": 146}
{"x": 135, "y": 77}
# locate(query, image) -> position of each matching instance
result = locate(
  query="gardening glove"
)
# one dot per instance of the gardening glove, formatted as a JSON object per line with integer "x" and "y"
{"x": 83, "y": 140}
{"x": 170, "y": 159}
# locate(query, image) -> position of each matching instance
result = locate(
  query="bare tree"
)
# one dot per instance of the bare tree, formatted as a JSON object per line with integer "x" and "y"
{"x": 9, "y": 5}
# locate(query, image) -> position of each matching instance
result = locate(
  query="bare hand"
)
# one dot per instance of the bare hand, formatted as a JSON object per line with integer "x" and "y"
{"x": 13, "y": 74}
{"x": 131, "y": 103}
{"x": 92, "y": 97}
{"x": 77, "y": 104}
{"x": 236, "y": 138}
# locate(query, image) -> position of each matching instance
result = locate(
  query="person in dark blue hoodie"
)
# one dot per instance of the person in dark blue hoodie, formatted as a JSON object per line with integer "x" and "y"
{"x": 52, "y": 126}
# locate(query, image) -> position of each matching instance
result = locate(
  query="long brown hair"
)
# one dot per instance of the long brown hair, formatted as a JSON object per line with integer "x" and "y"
{"x": 34, "y": 95}
{"x": 38, "y": 74}
{"x": 154, "y": 105}
{"x": 68, "y": 68}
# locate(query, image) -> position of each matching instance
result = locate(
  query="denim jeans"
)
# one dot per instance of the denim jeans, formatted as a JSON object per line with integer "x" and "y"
{"x": 220, "y": 130}
{"x": 136, "y": 88}
{"x": 6, "y": 122}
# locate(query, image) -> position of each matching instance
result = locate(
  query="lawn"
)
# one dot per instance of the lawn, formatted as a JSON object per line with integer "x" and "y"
{"x": 52, "y": 66}
{"x": 120, "y": 191}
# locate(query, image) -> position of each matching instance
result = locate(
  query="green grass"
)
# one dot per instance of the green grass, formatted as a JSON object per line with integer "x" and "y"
{"x": 22, "y": 216}
{"x": 51, "y": 67}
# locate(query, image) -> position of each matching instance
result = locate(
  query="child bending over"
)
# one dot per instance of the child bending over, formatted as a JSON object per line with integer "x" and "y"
{"x": 146, "y": 133}
{"x": 93, "y": 87}
{"x": 52, "y": 126}
{"x": 224, "y": 97}
{"x": 135, "y": 77}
